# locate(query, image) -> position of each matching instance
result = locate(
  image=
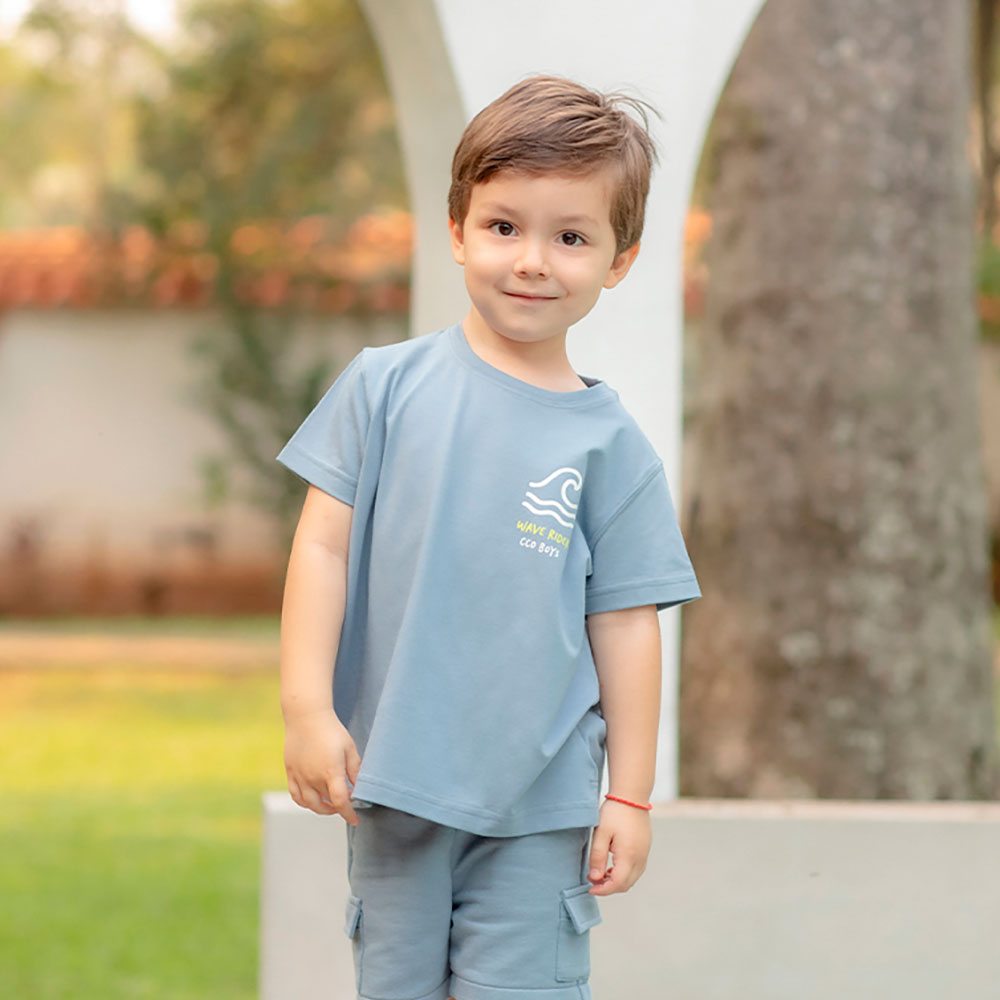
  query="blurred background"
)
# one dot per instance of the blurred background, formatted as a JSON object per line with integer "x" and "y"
{"x": 203, "y": 217}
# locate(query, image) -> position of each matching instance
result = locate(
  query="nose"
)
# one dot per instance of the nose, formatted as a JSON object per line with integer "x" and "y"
{"x": 531, "y": 260}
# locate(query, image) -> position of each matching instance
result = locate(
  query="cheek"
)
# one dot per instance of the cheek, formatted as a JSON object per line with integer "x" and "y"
{"x": 584, "y": 275}
{"x": 484, "y": 261}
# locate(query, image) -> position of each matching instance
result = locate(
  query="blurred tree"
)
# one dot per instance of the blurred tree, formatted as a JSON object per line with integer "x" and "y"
{"x": 842, "y": 649}
{"x": 984, "y": 68}
{"x": 272, "y": 111}
{"x": 256, "y": 110}
{"x": 65, "y": 121}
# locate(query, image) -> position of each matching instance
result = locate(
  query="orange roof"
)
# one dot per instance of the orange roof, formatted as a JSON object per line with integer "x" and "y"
{"x": 279, "y": 265}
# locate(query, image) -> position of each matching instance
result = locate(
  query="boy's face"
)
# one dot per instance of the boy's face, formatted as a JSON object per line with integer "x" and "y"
{"x": 537, "y": 250}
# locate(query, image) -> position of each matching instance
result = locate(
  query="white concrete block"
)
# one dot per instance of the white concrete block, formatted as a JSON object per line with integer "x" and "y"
{"x": 741, "y": 900}
{"x": 304, "y": 953}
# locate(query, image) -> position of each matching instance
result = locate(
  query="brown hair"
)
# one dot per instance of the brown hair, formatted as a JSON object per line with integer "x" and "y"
{"x": 548, "y": 124}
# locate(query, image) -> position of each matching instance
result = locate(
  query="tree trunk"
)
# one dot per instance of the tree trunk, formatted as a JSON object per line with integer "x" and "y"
{"x": 842, "y": 648}
{"x": 989, "y": 162}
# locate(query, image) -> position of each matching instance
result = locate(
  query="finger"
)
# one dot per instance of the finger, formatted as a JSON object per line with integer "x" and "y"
{"x": 314, "y": 801}
{"x": 336, "y": 789}
{"x": 603, "y": 887}
{"x": 620, "y": 878}
{"x": 295, "y": 791}
{"x": 599, "y": 848}
{"x": 613, "y": 882}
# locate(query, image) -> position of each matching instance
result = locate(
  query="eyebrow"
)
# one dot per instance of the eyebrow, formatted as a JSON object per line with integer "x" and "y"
{"x": 494, "y": 208}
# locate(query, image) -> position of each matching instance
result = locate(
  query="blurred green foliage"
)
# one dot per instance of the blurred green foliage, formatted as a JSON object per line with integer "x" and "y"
{"x": 988, "y": 286}
{"x": 253, "y": 110}
{"x": 270, "y": 111}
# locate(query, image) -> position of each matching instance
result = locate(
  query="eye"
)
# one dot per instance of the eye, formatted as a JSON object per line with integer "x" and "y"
{"x": 502, "y": 228}
{"x": 571, "y": 239}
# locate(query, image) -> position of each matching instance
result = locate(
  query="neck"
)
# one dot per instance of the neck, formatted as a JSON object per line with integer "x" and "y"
{"x": 542, "y": 362}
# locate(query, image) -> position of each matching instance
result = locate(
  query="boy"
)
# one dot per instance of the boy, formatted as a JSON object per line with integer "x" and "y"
{"x": 482, "y": 552}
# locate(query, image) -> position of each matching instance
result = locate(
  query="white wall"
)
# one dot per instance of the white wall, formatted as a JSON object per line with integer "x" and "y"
{"x": 100, "y": 442}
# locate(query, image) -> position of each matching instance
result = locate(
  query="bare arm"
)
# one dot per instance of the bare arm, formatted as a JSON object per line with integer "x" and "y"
{"x": 626, "y": 648}
{"x": 318, "y": 748}
{"x": 312, "y": 612}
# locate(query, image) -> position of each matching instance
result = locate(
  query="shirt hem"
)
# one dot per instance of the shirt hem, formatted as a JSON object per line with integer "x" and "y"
{"x": 324, "y": 477}
{"x": 574, "y": 814}
{"x": 662, "y": 593}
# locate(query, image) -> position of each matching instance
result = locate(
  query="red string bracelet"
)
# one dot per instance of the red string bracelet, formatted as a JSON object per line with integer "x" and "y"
{"x": 615, "y": 798}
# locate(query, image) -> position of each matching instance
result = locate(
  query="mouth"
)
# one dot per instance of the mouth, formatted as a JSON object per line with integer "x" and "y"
{"x": 528, "y": 297}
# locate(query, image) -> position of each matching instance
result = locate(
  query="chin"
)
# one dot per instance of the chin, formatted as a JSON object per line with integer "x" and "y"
{"x": 526, "y": 338}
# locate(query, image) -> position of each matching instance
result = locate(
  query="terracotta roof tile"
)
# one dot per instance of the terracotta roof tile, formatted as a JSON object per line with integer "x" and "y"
{"x": 280, "y": 264}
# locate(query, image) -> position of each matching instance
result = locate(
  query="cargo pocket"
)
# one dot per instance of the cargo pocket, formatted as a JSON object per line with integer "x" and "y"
{"x": 578, "y": 912}
{"x": 354, "y": 929}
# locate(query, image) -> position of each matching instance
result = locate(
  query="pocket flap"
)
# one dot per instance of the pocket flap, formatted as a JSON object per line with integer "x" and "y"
{"x": 352, "y": 915}
{"x": 582, "y": 907}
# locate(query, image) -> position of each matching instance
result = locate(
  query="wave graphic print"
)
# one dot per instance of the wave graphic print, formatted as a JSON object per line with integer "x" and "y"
{"x": 563, "y": 509}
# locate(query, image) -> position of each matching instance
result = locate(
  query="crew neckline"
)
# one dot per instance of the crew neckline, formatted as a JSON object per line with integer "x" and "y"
{"x": 596, "y": 391}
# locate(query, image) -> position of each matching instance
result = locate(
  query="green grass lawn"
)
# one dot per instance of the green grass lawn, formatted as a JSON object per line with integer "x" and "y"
{"x": 130, "y": 831}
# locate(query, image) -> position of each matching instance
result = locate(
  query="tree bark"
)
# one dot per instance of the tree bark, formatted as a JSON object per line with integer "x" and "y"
{"x": 842, "y": 648}
{"x": 989, "y": 161}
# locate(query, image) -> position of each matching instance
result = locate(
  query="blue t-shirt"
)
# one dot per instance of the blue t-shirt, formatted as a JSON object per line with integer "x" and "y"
{"x": 490, "y": 517}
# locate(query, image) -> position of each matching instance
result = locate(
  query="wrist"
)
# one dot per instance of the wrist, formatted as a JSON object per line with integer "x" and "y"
{"x": 296, "y": 709}
{"x": 636, "y": 790}
{"x": 631, "y": 803}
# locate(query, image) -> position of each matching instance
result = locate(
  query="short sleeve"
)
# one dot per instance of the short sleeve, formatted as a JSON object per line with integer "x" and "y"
{"x": 638, "y": 557}
{"x": 328, "y": 448}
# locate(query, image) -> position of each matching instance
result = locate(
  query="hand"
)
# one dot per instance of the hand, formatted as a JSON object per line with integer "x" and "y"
{"x": 319, "y": 752}
{"x": 628, "y": 833}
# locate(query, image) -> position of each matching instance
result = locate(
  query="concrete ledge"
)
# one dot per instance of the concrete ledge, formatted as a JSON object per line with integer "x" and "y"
{"x": 741, "y": 900}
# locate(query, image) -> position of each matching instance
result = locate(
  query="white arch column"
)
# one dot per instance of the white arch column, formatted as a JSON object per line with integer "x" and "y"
{"x": 446, "y": 59}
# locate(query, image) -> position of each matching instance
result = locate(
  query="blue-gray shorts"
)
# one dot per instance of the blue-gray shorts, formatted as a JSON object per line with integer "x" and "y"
{"x": 435, "y": 912}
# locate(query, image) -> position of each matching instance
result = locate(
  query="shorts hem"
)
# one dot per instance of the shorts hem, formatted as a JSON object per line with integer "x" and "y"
{"x": 462, "y": 989}
{"x": 440, "y": 992}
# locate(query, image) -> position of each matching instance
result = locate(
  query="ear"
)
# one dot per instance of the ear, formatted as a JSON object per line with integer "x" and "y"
{"x": 620, "y": 266}
{"x": 457, "y": 241}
